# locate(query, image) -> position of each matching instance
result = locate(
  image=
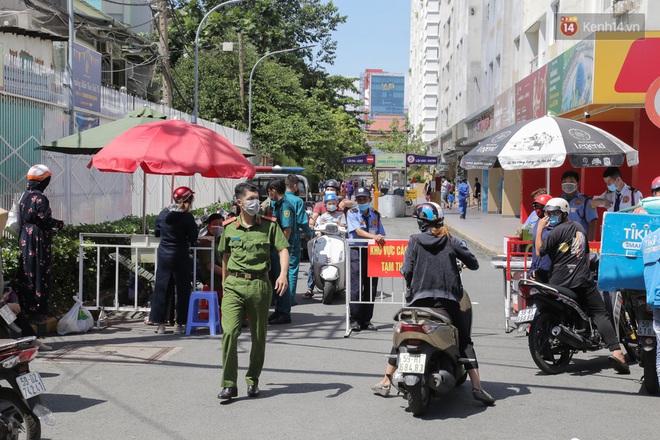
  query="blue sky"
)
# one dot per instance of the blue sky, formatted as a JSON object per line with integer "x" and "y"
{"x": 376, "y": 35}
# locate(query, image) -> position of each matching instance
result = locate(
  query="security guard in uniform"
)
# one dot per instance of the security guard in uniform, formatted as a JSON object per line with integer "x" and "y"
{"x": 245, "y": 243}
{"x": 363, "y": 222}
{"x": 292, "y": 183}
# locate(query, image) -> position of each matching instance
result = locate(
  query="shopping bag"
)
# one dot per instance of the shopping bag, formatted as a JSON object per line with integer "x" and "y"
{"x": 14, "y": 221}
{"x": 76, "y": 320}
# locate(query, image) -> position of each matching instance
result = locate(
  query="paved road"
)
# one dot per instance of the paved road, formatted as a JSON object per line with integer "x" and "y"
{"x": 126, "y": 382}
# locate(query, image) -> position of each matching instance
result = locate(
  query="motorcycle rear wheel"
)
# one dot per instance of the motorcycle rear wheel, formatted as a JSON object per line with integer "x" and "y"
{"x": 419, "y": 397}
{"x": 550, "y": 360}
{"x": 328, "y": 292}
{"x": 650, "y": 373}
{"x": 16, "y": 419}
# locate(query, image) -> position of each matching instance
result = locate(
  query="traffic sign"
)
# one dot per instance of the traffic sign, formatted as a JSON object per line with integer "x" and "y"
{"x": 370, "y": 159}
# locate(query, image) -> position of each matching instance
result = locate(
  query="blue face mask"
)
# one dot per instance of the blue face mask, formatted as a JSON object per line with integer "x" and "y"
{"x": 363, "y": 206}
{"x": 553, "y": 220}
{"x": 612, "y": 187}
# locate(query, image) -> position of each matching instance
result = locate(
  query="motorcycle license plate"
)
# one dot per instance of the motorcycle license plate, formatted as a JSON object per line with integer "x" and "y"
{"x": 411, "y": 363}
{"x": 30, "y": 384}
{"x": 645, "y": 328}
{"x": 526, "y": 315}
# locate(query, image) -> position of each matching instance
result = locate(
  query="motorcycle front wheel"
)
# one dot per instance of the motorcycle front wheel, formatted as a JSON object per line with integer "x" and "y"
{"x": 650, "y": 373}
{"x": 16, "y": 419}
{"x": 419, "y": 397}
{"x": 551, "y": 359}
{"x": 328, "y": 292}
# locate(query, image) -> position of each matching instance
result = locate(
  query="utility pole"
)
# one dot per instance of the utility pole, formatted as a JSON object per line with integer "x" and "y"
{"x": 165, "y": 52}
{"x": 241, "y": 73}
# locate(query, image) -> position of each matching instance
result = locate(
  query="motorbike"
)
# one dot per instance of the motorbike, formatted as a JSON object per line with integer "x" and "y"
{"x": 558, "y": 326}
{"x": 329, "y": 260}
{"x": 21, "y": 409}
{"x": 428, "y": 359}
{"x": 640, "y": 335}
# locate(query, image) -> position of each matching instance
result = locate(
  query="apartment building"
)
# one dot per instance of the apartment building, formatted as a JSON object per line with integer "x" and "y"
{"x": 507, "y": 61}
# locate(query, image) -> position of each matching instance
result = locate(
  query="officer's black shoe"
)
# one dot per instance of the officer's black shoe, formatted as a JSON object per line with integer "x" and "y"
{"x": 253, "y": 391}
{"x": 273, "y": 316}
{"x": 280, "y": 319}
{"x": 227, "y": 393}
{"x": 369, "y": 326}
{"x": 355, "y": 326}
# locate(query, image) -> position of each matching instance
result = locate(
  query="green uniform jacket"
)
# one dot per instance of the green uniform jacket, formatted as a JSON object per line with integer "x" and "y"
{"x": 249, "y": 247}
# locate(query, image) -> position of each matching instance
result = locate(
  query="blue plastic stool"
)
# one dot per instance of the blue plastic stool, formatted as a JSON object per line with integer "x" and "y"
{"x": 194, "y": 322}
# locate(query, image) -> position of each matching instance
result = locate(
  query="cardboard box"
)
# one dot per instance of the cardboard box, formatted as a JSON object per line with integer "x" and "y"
{"x": 621, "y": 263}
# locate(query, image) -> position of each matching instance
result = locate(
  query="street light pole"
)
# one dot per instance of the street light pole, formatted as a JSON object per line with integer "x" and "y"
{"x": 250, "y": 86}
{"x": 199, "y": 29}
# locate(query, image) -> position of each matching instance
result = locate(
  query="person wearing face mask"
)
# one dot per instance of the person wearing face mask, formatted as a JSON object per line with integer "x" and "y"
{"x": 568, "y": 249}
{"x": 206, "y": 267}
{"x": 285, "y": 216}
{"x": 332, "y": 214}
{"x": 619, "y": 195}
{"x": 539, "y": 268}
{"x": 246, "y": 244}
{"x": 36, "y": 235}
{"x": 331, "y": 186}
{"x": 292, "y": 182}
{"x": 363, "y": 222}
{"x": 581, "y": 209}
{"x": 177, "y": 230}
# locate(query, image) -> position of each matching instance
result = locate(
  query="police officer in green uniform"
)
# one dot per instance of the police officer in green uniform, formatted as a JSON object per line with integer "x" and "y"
{"x": 285, "y": 215}
{"x": 245, "y": 243}
{"x": 292, "y": 183}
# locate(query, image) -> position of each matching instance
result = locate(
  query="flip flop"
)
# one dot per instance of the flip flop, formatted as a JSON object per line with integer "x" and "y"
{"x": 620, "y": 367}
{"x": 308, "y": 295}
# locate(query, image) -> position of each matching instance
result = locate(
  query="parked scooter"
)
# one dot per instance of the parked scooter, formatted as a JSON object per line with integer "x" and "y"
{"x": 428, "y": 361}
{"x": 21, "y": 408}
{"x": 329, "y": 260}
{"x": 558, "y": 326}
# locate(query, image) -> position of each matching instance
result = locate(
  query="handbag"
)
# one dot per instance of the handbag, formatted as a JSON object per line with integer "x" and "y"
{"x": 14, "y": 220}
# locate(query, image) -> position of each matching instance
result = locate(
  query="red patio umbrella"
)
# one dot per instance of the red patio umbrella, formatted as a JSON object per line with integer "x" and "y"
{"x": 173, "y": 147}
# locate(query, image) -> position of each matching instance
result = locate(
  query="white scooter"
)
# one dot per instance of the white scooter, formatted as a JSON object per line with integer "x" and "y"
{"x": 329, "y": 260}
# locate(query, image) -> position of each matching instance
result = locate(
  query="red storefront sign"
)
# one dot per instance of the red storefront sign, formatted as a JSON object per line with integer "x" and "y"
{"x": 386, "y": 261}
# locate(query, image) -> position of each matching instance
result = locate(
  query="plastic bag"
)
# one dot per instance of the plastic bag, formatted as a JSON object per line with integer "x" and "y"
{"x": 76, "y": 320}
{"x": 14, "y": 221}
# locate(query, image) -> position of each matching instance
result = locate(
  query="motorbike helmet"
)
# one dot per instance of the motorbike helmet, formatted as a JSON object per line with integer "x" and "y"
{"x": 330, "y": 197}
{"x": 557, "y": 204}
{"x": 429, "y": 214}
{"x": 183, "y": 194}
{"x": 655, "y": 185}
{"x": 332, "y": 183}
{"x": 39, "y": 173}
{"x": 543, "y": 199}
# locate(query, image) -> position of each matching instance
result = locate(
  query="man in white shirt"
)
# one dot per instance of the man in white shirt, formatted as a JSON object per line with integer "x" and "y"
{"x": 619, "y": 195}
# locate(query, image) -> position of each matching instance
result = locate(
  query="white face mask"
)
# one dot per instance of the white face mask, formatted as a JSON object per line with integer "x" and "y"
{"x": 216, "y": 231}
{"x": 569, "y": 187}
{"x": 251, "y": 207}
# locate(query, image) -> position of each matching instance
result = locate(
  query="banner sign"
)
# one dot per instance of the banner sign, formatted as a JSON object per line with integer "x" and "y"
{"x": 416, "y": 159}
{"x": 85, "y": 121}
{"x": 364, "y": 159}
{"x": 386, "y": 261}
{"x": 530, "y": 96}
{"x": 570, "y": 76}
{"x": 86, "y": 78}
{"x": 391, "y": 160}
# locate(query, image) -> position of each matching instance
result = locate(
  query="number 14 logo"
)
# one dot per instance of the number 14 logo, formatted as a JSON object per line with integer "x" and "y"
{"x": 569, "y": 26}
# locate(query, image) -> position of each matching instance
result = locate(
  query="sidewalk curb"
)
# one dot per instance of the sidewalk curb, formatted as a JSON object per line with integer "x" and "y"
{"x": 486, "y": 249}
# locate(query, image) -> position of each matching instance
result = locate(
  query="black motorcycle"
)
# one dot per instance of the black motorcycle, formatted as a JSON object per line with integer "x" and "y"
{"x": 558, "y": 326}
{"x": 638, "y": 320}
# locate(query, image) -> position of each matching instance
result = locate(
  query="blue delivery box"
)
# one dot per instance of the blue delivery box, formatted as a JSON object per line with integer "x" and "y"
{"x": 621, "y": 261}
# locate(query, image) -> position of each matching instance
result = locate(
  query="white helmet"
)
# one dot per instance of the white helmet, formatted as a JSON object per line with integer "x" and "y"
{"x": 557, "y": 204}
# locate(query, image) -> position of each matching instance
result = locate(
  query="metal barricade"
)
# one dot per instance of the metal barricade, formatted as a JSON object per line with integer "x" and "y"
{"x": 143, "y": 262}
{"x": 390, "y": 290}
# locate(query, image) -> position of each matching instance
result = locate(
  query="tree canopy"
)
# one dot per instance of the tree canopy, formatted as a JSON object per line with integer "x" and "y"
{"x": 300, "y": 114}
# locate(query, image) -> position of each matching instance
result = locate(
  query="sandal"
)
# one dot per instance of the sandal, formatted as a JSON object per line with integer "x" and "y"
{"x": 619, "y": 367}
{"x": 308, "y": 295}
{"x": 382, "y": 389}
{"x": 483, "y": 397}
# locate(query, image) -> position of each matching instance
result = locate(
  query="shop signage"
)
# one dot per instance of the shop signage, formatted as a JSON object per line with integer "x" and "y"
{"x": 570, "y": 78}
{"x": 652, "y": 102}
{"x": 530, "y": 96}
{"x": 86, "y": 78}
{"x": 416, "y": 159}
{"x": 504, "y": 109}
